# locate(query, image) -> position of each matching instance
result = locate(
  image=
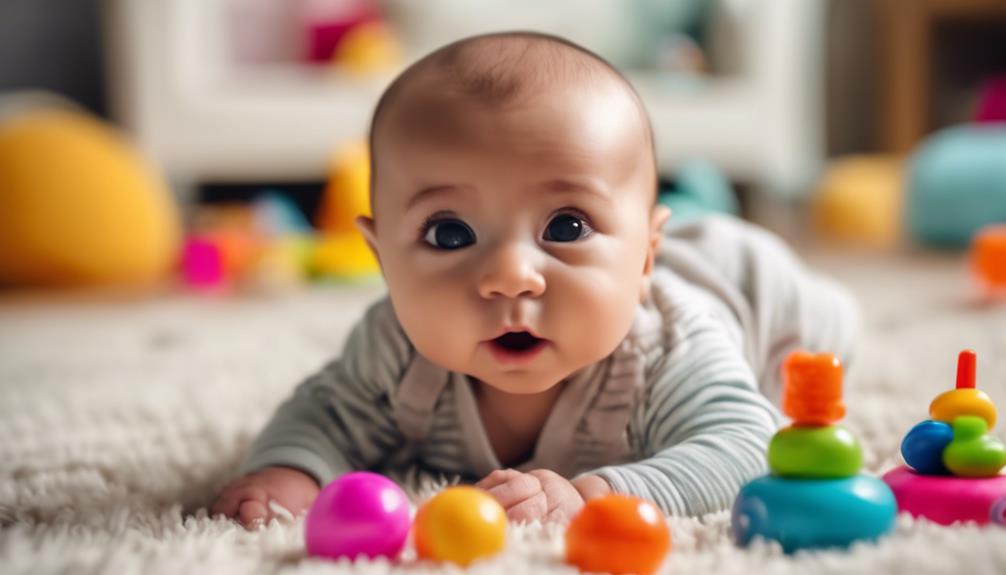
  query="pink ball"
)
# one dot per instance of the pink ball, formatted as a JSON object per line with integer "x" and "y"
{"x": 359, "y": 513}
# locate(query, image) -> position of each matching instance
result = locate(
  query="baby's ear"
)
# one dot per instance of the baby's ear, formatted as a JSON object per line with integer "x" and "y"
{"x": 658, "y": 218}
{"x": 369, "y": 230}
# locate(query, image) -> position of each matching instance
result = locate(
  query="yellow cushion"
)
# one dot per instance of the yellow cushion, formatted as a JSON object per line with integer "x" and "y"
{"x": 859, "y": 200}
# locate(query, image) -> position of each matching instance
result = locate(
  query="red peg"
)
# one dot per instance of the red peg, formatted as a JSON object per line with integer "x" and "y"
{"x": 966, "y": 369}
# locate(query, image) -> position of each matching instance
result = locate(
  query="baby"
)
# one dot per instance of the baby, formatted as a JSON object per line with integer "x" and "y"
{"x": 545, "y": 334}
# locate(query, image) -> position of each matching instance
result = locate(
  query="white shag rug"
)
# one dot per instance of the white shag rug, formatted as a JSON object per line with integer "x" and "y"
{"x": 120, "y": 417}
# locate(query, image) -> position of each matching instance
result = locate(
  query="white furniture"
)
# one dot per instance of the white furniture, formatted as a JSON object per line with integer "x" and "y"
{"x": 202, "y": 118}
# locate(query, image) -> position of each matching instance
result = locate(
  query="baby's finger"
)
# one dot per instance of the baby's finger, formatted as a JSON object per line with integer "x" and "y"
{"x": 521, "y": 487}
{"x": 554, "y": 487}
{"x": 564, "y": 501}
{"x": 497, "y": 477}
{"x": 252, "y": 512}
{"x": 227, "y": 502}
{"x": 531, "y": 509}
{"x": 230, "y": 501}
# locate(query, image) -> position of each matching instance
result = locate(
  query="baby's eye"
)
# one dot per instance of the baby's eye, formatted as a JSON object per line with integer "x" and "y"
{"x": 449, "y": 235}
{"x": 566, "y": 228}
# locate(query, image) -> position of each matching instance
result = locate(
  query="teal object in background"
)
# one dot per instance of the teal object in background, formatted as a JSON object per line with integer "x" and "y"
{"x": 276, "y": 214}
{"x": 957, "y": 184}
{"x": 700, "y": 189}
{"x": 813, "y": 513}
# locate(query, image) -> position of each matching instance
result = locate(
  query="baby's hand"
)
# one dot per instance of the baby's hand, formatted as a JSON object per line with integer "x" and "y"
{"x": 540, "y": 494}
{"x": 247, "y": 498}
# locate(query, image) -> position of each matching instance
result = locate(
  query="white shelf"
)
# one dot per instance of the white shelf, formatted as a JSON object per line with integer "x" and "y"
{"x": 201, "y": 119}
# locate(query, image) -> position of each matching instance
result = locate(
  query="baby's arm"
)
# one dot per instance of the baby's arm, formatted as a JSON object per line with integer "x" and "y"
{"x": 337, "y": 421}
{"x": 702, "y": 428}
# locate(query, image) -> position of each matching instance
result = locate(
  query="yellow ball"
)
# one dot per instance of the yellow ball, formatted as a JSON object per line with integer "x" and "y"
{"x": 368, "y": 48}
{"x": 78, "y": 206}
{"x": 343, "y": 256}
{"x": 460, "y": 525}
{"x": 347, "y": 194}
{"x": 952, "y": 404}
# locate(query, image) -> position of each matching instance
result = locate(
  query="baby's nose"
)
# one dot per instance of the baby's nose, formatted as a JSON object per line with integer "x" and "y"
{"x": 511, "y": 271}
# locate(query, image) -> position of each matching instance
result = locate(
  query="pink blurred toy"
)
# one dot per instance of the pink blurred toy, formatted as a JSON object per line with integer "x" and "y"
{"x": 359, "y": 513}
{"x": 327, "y": 22}
{"x": 202, "y": 263}
{"x": 992, "y": 102}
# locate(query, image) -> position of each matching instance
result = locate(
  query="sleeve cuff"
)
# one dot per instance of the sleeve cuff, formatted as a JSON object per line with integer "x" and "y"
{"x": 305, "y": 460}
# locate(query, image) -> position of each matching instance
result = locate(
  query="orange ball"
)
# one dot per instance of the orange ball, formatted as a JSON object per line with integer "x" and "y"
{"x": 988, "y": 256}
{"x": 812, "y": 388}
{"x": 237, "y": 248}
{"x": 618, "y": 534}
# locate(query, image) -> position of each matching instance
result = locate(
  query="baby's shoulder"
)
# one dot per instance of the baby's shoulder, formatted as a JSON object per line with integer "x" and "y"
{"x": 682, "y": 318}
{"x": 379, "y": 325}
{"x": 682, "y": 307}
{"x": 377, "y": 349}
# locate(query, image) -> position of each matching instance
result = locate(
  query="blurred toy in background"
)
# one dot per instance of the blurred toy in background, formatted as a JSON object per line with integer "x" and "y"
{"x": 341, "y": 249}
{"x": 368, "y": 48}
{"x": 682, "y": 54}
{"x": 203, "y": 264}
{"x": 859, "y": 201}
{"x": 988, "y": 260}
{"x": 699, "y": 189}
{"x": 327, "y": 21}
{"x": 815, "y": 496}
{"x": 275, "y": 215}
{"x": 957, "y": 185}
{"x": 78, "y": 205}
{"x": 952, "y": 185}
{"x": 271, "y": 246}
{"x": 669, "y": 35}
{"x": 350, "y": 34}
{"x": 347, "y": 193}
{"x": 222, "y": 246}
{"x": 992, "y": 102}
{"x": 282, "y": 263}
{"x": 953, "y": 462}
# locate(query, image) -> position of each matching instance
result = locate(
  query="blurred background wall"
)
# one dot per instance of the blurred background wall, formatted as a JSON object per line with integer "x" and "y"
{"x": 54, "y": 45}
{"x": 870, "y": 121}
{"x": 57, "y": 45}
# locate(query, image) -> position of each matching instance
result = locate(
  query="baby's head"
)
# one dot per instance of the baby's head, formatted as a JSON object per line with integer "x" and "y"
{"x": 513, "y": 195}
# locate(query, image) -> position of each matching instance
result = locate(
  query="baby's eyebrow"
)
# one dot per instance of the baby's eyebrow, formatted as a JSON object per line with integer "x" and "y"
{"x": 432, "y": 191}
{"x": 560, "y": 186}
{"x": 563, "y": 185}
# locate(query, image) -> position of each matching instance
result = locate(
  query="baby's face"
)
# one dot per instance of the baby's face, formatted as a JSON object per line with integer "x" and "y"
{"x": 515, "y": 240}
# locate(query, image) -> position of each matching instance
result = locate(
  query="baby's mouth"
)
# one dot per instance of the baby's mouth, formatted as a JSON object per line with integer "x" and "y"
{"x": 516, "y": 346}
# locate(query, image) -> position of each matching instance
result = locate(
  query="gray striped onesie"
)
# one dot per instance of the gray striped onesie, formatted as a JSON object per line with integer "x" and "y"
{"x": 680, "y": 413}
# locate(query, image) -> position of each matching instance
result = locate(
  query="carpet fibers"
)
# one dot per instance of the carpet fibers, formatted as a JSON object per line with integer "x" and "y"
{"x": 120, "y": 417}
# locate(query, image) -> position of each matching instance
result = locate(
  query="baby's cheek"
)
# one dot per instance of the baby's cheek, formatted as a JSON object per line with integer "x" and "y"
{"x": 598, "y": 305}
{"x": 437, "y": 325}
